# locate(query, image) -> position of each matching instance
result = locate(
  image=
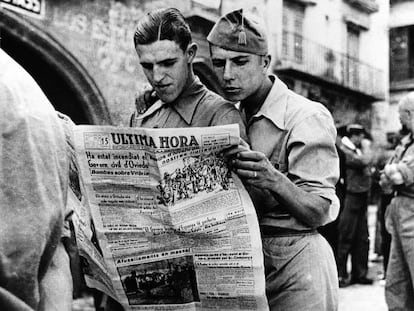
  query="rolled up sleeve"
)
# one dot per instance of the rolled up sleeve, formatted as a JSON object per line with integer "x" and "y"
{"x": 313, "y": 159}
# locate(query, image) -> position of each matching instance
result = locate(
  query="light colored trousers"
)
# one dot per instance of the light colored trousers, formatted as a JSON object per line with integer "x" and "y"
{"x": 301, "y": 273}
{"x": 399, "y": 221}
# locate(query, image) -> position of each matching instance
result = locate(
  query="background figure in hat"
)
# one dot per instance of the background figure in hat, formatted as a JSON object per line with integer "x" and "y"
{"x": 353, "y": 236}
{"x": 398, "y": 177}
{"x": 290, "y": 169}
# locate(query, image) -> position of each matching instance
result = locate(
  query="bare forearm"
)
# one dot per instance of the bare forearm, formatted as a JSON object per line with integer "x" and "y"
{"x": 308, "y": 208}
{"x": 256, "y": 170}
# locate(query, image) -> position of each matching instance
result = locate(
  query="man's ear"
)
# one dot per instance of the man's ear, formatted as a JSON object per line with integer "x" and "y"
{"x": 266, "y": 62}
{"x": 191, "y": 51}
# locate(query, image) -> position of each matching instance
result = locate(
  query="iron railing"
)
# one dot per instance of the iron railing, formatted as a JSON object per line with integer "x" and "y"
{"x": 309, "y": 57}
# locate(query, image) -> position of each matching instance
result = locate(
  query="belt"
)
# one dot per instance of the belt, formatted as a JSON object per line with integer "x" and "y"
{"x": 270, "y": 231}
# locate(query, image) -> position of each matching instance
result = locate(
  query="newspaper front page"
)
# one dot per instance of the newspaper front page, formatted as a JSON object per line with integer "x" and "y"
{"x": 163, "y": 223}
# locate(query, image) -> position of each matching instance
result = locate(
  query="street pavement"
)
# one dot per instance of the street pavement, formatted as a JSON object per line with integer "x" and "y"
{"x": 366, "y": 297}
{"x": 352, "y": 298}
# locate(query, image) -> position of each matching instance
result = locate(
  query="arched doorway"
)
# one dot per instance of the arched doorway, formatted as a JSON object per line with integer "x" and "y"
{"x": 62, "y": 78}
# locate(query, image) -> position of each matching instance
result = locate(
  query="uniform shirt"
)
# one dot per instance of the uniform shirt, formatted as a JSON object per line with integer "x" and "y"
{"x": 195, "y": 107}
{"x": 298, "y": 137}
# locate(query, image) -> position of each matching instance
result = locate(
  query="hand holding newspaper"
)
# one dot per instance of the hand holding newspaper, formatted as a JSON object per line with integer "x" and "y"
{"x": 162, "y": 223}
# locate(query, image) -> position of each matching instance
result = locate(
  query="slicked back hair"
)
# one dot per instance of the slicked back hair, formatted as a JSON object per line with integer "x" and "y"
{"x": 163, "y": 24}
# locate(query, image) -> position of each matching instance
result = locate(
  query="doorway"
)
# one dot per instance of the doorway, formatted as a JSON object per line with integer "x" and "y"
{"x": 62, "y": 78}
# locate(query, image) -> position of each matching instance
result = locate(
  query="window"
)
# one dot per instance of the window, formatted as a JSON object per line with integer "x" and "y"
{"x": 292, "y": 35}
{"x": 402, "y": 53}
{"x": 352, "y": 57}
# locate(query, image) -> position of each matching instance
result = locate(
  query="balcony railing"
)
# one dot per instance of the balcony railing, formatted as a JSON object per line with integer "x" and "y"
{"x": 309, "y": 57}
{"x": 368, "y": 6}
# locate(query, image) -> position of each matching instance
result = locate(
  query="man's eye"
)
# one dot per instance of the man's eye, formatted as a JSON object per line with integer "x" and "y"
{"x": 240, "y": 62}
{"x": 169, "y": 63}
{"x": 146, "y": 66}
{"x": 217, "y": 63}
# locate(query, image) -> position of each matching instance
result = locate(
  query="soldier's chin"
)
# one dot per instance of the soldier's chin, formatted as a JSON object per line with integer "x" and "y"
{"x": 233, "y": 97}
{"x": 167, "y": 98}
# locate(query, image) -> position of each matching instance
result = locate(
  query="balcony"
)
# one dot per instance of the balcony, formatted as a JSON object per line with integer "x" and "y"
{"x": 308, "y": 58}
{"x": 367, "y": 6}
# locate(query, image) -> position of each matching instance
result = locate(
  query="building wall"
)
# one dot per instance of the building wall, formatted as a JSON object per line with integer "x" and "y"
{"x": 376, "y": 52}
{"x": 99, "y": 35}
{"x": 401, "y": 15}
{"x": 324, "y": 24}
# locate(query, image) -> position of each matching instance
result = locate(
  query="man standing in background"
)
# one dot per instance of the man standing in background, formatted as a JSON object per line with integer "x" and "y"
{"x": 398, "y": 177}
{"x": 353, "y": 236}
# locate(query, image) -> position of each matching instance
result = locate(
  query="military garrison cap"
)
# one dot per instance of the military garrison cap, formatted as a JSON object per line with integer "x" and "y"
{"x": 234, "y": 31}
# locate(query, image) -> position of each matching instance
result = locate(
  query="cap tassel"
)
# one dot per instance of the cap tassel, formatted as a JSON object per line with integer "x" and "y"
{"x": 242, "y": 38}
{"x": 242, "y": 33}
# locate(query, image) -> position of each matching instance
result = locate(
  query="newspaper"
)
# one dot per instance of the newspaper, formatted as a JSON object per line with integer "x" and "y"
{"x": 162, "y": 223}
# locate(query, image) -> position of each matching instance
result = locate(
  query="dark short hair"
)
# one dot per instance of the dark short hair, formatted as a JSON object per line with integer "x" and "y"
{"x": 163, "y": 24}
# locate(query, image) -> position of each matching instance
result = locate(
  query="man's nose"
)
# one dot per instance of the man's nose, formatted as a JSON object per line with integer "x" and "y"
{"x": 158, "y": 74}
{"x": 228, "y": 71}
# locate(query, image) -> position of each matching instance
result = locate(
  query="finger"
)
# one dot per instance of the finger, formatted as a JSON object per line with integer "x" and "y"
{"x": 138, "y": 104}
{"x": 232, "y": 152}
{"x": 153, "y": 97}
{"x": 147, "y": 87}
{"x": 247, "y": 174}
{"x": 247, "y": 165}
{"x": 244, "y": 144}
{"x": 251, "y": 155}
{"x": 141, "y": 107}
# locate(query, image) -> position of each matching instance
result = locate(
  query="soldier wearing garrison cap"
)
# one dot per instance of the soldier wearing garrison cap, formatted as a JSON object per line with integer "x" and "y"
{"x": 290, "y": 168}
{"x": 237, "y": 33}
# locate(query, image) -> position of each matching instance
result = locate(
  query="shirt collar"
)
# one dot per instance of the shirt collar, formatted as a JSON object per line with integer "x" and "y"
{"x": 407, "y": 139}
{"x": 185, "y": 105}
{"x": 274, "y": 106}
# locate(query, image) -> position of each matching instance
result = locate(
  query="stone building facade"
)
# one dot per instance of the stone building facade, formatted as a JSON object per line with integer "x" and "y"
{"x": 82, "y": 54}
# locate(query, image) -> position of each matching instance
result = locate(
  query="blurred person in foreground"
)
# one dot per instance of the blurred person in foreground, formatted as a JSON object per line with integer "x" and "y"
{"x": 34, "y": 266}
{"x": 353, "y": 236}
{"x": 290, "y": 169}
{"x": 398, "y": 177}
